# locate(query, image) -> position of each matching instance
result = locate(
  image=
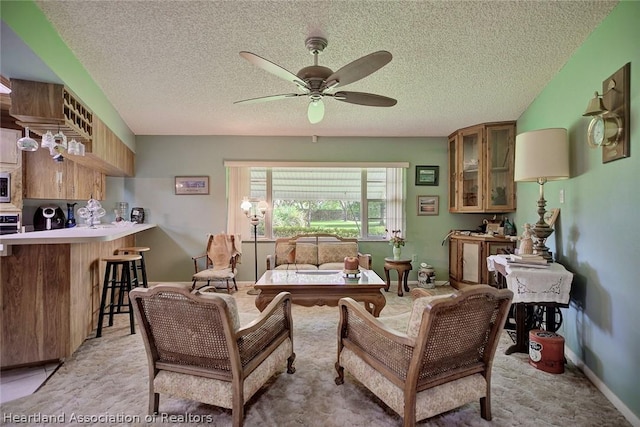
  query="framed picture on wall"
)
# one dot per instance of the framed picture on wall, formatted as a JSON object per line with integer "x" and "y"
{"x": 192, "y": 185}
{"x": 428, "y": 205}
{"x": 427, "y": 175}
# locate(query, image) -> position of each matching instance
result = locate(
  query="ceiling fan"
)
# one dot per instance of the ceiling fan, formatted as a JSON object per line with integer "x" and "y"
{"x": 316, "y": 81}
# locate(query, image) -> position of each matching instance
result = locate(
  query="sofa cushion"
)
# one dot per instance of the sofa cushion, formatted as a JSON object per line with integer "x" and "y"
{"x": 336, "y": 252}
{"x": 285, "y": 253}
{"x": 295, "y": 267}
{"x": 306, "y": 253}
{"x": 332, "y": 266}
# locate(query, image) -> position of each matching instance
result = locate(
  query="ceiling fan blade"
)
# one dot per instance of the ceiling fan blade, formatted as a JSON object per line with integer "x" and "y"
{"x": 272, "y": 68}
{"x": 316, "y": 111}
{"x": 362, "y": 98}
{"x": 359, "y": 68}
{"x": 269, "y": 98}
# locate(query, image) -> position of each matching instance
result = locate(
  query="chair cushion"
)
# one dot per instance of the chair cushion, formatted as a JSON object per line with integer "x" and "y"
{"x": 306, "y": 253}
{"x": 429, "y": 402}
{"x": 231, "y": 305}
{"x": 416, "y": 313}
{"x": 218, "y": 392}
{"x": 211, "y": 274}
{"x": 336, "y": 252}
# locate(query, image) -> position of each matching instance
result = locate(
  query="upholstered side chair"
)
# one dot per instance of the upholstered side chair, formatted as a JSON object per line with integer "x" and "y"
{"x": 197, "y": 350}
{"x": 442, "y": 362}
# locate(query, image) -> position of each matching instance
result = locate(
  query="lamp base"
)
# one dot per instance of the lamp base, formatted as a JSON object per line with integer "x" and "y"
{"x": 542, "y": 232}
{"x": 253, "y": 291}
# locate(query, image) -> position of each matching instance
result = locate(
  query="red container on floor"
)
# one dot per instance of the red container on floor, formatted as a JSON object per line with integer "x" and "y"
{"x": 546, "y": 351}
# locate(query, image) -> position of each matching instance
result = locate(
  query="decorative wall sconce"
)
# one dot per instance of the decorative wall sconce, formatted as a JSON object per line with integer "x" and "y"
{"x": 609, "y": 112}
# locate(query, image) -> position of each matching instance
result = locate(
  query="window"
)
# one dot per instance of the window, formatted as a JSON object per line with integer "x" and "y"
{"x": 349, "y": 200}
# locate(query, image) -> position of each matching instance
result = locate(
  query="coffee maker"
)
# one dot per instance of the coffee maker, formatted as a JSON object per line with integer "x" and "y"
{"x": 48, "y": 217}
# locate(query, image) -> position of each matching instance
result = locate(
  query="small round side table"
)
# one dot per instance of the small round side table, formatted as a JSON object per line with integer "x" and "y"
{"x": 402, "y": 266}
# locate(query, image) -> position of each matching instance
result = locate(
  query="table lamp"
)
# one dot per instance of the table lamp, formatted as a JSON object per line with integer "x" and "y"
{"x": 541, "y": 156}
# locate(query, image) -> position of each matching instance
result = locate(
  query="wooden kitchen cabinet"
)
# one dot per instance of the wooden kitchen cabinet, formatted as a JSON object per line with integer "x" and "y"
{"x": 481, "y": 161}
{"x": 53, "y": 107}
{"x": 468, "y": 258}
{"x": 44, "y": 178}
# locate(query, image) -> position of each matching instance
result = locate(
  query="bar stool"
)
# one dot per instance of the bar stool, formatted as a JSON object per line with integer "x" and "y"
{"x": 137, "y": 250}
{"x": 123, "y": 285}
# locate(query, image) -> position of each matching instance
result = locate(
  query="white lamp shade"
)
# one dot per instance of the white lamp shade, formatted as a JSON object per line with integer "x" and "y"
{"x": 542, "y": 153}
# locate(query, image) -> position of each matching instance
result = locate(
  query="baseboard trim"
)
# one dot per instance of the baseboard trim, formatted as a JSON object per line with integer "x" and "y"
{"x": 620, "y": 406}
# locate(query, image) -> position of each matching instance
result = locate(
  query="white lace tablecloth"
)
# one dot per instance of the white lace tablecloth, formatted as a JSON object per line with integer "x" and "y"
{"x": 533, "y": 285}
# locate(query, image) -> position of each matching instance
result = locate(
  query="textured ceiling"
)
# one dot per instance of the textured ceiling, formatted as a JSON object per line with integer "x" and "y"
{"x": 173, "y": 68}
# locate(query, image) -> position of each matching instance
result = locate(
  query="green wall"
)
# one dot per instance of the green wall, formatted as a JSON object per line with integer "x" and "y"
{"x": 185, "y": 220}
{"x": 598, "y": 233}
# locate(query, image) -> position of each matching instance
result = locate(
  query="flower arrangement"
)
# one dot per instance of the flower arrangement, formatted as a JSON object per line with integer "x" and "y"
{"x": 396, "y": 240}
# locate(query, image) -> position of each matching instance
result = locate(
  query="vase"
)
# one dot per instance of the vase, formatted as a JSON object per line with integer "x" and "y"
{"x": 397, "y": 251}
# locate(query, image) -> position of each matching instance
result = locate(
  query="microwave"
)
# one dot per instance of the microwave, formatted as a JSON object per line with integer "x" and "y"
{"x": 5, "y": 187}
{"x": 9, "y": 223}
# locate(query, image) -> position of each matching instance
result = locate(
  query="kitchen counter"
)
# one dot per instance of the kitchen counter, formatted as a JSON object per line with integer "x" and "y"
{"x": 79, "y": 234}
{"x": 50, "y": 289}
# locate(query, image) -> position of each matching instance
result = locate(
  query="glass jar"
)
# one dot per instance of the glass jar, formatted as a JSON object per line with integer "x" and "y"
{"x": 122, "y": 210}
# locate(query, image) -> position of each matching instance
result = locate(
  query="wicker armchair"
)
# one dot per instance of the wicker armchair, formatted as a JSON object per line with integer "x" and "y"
{"x": 197, "y": 350}
{"x": 442, "y": 362}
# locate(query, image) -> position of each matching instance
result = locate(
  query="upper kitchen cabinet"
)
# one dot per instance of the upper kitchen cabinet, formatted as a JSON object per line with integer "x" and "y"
{"x": 51, "y": 107}
{"x": 44, "y": 178}
{"x": 481, "y": 168}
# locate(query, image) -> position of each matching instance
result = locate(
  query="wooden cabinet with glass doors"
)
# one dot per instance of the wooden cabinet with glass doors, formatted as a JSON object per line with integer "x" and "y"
{"x": 481, "y": 168}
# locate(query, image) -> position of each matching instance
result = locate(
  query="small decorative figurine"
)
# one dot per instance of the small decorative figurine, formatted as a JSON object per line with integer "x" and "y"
{"x": 526, "y": 240}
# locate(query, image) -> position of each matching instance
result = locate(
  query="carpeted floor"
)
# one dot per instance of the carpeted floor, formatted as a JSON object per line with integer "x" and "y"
{"x": 105, "y": 382}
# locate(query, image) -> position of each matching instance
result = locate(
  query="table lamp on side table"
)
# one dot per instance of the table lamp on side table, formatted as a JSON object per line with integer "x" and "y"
{"x": 541, "y": 156}
{"x": 256, "y": 212}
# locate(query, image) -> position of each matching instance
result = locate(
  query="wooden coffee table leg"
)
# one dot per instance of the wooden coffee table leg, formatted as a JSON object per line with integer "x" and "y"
{"x": 378, "y": 304}
{"x": 386, "y": 275}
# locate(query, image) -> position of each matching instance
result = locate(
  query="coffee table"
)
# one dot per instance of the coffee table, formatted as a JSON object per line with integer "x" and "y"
{"x": 322, "y": 287}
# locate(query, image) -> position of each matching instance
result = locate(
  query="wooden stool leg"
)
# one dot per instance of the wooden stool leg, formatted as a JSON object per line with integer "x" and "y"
{"x": 127, "y": 286}
{"x": 103, "y": 300}
{"x": 113, "y": 281}
{"x": 144, "y": 272}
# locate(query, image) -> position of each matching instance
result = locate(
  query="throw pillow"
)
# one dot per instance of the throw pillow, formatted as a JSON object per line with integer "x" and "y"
{"x": 306, "y": 253}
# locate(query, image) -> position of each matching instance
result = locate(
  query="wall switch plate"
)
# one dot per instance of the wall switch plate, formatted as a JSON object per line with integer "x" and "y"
{"x": 414, "y": 258}
{"x": 562, "y": 196}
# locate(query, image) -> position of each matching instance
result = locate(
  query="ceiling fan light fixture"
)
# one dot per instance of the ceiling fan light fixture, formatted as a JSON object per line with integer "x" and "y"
{"x": 315, "y": 111}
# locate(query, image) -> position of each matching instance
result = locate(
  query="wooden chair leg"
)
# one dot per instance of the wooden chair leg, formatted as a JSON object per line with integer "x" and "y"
{"x": 340, "y": 378}
{"x": 290, "y": 368}
{"x": 485, "y": 408}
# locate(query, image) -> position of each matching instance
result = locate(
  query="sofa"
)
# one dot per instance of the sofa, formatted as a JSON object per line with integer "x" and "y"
{"x": 317, "y": 251}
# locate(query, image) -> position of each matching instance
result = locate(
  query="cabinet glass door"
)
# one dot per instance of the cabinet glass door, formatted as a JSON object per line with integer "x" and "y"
{"x": 500, "y": 185}
{"x": 453, "y": 174}
{"x": 470, "y": 197}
